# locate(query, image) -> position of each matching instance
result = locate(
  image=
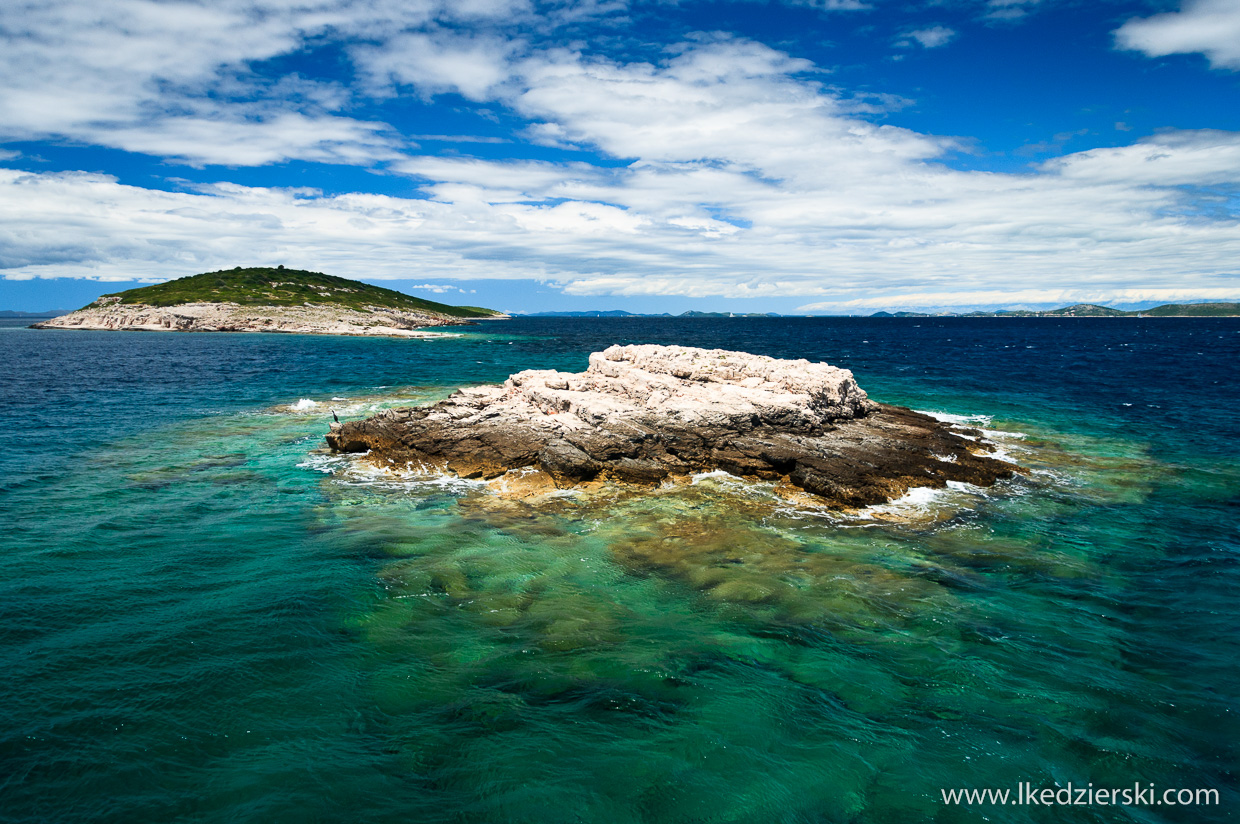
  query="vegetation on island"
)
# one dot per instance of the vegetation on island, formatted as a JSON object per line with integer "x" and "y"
{"x": 267, "y": 286}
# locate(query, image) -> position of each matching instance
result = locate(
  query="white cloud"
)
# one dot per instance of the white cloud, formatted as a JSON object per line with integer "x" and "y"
{"x": 469, "y": 64}
{"x": 1211, "y": 27}
{"x": 1086, "y": 227}
{"x": 87, "y": 225}
{"x": 725, "y": 101}
{"x": 833, "y": 5}
{"x": 174, "y": 78}
{"x": 731, "y": 170}
{"x": 1009, "y": 10}
{"x": 453, "y": 178}
{"x": 438, "y": 288}
{"x": 227, "y": 140}
{"x": 1179, "y": 158}
{"x": 930, "y": 38}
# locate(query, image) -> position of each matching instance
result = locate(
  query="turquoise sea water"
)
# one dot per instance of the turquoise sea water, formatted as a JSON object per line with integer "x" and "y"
{"x": 204, "y": 617}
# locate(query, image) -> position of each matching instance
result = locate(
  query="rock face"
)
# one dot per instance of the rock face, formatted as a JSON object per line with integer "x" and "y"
{"x": 109, "y": 314}
{"x": 642, "y": 414}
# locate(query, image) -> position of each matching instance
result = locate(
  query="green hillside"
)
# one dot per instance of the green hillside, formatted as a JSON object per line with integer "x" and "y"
{"x": 265, "y": 286}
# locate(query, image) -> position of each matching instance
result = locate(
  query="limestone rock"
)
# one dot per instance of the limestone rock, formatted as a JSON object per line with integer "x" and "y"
{"x": 641, "y": 414}
{"x": 108, "y": 314}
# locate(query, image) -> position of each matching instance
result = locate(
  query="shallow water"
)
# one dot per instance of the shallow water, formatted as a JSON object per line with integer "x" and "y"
{"x": 207, "y": 618}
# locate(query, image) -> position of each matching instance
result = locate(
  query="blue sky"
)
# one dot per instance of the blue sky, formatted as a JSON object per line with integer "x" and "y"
{"x": 822, "y": 156}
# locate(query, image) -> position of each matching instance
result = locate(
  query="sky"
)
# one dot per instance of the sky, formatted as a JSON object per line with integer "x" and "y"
{"x": 794, "y": 156}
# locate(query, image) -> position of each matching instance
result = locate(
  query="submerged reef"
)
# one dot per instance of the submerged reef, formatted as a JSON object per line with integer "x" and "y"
{"x": 647, "y": 414}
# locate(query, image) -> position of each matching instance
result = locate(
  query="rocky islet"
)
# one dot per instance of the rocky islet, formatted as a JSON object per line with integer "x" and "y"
{"x": 644, "y": 414}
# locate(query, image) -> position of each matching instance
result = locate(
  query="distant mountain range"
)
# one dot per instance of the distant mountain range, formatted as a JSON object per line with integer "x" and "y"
{"x": 1080, "y": 310}
{"x": 611, "y": 313}
{"x": 1090, "y": 310}
{"x": 620, "y": 313}
{"x": 50, "y": 313}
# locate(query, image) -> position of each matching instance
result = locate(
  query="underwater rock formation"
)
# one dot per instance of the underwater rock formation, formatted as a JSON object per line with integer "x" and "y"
{"x": 644, "y": 414}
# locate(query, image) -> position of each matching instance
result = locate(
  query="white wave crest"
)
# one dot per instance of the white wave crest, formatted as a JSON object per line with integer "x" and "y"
{"x": 347, "y": 470}
{"x": 958, "y": 420}
{"x": 717, "y": 474}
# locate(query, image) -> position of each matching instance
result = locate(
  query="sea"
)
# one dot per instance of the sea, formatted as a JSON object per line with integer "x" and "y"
{"x": 207, "y": 617}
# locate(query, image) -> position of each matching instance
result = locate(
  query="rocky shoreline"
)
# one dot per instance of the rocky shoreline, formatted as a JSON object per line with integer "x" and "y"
{"x": 109, "y": 314}
{"x": 644, "y": 415}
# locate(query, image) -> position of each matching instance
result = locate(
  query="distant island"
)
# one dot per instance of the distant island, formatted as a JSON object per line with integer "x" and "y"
{"x": 620, "y": 313}
{"x": 1080, "y": 310}
{"x": 9, "y": 314}
{"x": 1090, "y": 310}
{"x": 268, "y": 299}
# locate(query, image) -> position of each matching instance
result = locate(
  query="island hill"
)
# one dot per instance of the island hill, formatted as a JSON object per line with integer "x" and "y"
{"x": 268, "y": 300}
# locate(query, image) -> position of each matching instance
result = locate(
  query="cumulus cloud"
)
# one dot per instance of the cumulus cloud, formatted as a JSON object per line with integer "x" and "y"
{"x": 175, "y": 79}
{"x": 435, "y": 62}
{"x": 833, "y": 5}
{"x": 1211, "y": 27}
{"x": 89, "y": 225}
{"x": 1009, "y": 10}
{"x": 1175, "y": 158}
{"x": 1087, "y": 225}
{"x": 438, "y": 288}
{"x": 733, "y": 103}
{"x": 930, "y": 38}
{"x": 728, "y": 168}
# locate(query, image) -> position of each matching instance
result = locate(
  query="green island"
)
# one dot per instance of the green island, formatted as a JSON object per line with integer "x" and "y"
{"x": 267, "y": 299}
{"x": 277, "y": 286}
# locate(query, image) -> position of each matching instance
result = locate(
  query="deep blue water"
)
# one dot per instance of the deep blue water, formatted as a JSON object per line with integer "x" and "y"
{"x": 203, "y": 618}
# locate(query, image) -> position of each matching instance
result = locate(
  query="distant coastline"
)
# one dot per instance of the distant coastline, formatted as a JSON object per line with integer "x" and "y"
{"x": 11, "y": 314}
{"x": 1090, "y": 310}
{"x": 1080, "y": 310}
